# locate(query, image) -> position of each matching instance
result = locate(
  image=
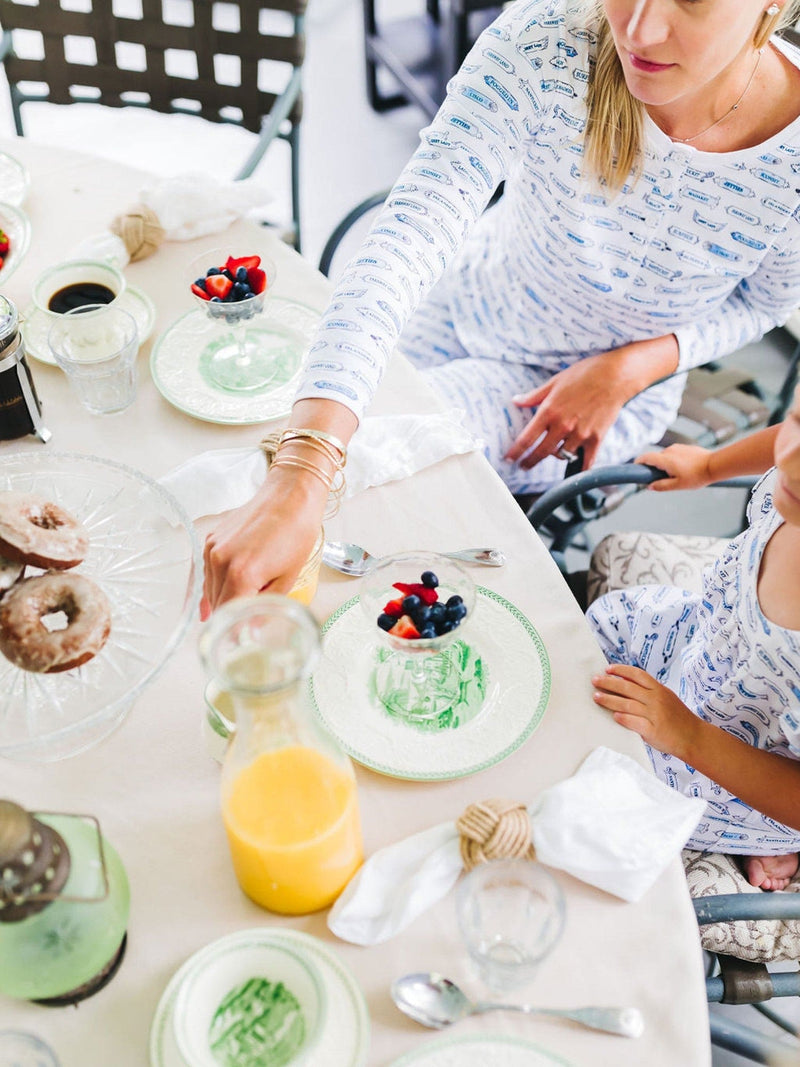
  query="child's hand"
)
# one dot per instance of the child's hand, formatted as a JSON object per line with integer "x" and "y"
{"x": 686, "y": 465}
{"x": 640, "y": 703}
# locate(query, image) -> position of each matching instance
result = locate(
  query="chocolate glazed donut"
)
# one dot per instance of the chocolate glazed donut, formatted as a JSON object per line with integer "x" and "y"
{"x": 27, "y": 640}
{"x": 36, "y": 531}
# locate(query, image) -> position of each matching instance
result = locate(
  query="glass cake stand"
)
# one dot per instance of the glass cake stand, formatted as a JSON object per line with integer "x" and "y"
{"x": 145, "y": 556}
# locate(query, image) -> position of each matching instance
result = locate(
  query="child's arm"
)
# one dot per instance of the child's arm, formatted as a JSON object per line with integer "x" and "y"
{"x": 690, "y": 466}
{"x": 766, "y": 781}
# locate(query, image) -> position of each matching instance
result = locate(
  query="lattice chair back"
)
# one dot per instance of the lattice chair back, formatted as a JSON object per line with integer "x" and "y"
{"x": 235, "y": 62}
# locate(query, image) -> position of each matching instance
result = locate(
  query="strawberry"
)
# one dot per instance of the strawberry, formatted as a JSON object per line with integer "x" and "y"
{"x": 200, "y": 292}
{"x": 257, "y": 279}
{"x": 5, "y": 244}
{"x": 404, "y": 627}
{"x": 394, "y": 607}
{"x": 426, "y": 595}
{"x": 248, "y": 262}
{"x": 217, "y": 285}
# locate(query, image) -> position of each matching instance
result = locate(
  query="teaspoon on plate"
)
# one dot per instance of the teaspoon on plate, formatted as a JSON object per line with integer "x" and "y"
{"x": 356, "y": 561}
{"x": 435, "y": 1001}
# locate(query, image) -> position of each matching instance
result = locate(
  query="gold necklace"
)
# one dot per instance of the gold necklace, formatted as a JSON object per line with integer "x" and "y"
{"x": 734, "y": 107}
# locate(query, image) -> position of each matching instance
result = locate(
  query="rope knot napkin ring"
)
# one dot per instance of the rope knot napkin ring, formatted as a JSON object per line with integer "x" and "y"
{"x": 331, "y": 474}
{"x": 140, "y": 230}
{"x": 494, "y": 829}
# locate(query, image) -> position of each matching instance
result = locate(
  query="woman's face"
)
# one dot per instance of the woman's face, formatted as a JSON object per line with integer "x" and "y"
{"x": 787, "y": 460}
{"x": 670, "y": 48}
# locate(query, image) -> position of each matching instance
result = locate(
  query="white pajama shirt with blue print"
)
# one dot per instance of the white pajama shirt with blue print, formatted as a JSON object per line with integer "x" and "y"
{"x": 728, "y": 663}
{"x": 702, "y": 245}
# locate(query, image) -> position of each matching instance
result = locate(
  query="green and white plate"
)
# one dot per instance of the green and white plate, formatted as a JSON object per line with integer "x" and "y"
{"x": 480, "y": 1050}
{"x": 502, "y": 656}
{"x": 36, "y": 324}
{"x": 180, "y": 363}
{"x": 345, "y": 1030}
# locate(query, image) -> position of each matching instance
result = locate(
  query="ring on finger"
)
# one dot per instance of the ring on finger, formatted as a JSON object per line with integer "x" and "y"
{"x": 565, "y": 454}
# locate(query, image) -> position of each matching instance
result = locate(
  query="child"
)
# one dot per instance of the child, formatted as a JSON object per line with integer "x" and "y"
{"x": 712, "y": 683}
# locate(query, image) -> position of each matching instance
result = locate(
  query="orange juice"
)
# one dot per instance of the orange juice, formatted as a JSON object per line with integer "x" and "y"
{"x": 293, "y": 829}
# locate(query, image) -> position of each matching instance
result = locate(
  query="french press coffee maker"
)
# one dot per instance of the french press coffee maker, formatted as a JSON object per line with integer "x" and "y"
{"x": 20, "y": 410}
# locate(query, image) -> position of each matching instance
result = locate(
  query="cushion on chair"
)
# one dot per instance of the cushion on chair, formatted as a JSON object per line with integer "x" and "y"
{"x": 624, "y": 559}
{"x": 758, "y": 940}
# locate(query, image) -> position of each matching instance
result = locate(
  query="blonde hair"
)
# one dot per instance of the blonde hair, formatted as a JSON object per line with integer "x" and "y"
{"x": 613, "y": 136}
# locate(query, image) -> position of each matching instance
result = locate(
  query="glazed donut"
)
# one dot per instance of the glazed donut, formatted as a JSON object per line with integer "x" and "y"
{"x": 10, "y": 572}
{"x": 36, "y": 531}
{"x": 28, "y": 641}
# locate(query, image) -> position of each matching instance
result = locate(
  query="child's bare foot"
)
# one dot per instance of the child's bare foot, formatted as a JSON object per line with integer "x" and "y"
{"x": 771, "y": 872}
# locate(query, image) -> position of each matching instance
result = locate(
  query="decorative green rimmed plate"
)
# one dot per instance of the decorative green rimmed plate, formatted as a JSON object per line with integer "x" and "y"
{"x": 345, "y": 1030}
{"x": 504, "y": 692}
{"x": 182, "y": 367}
{"x": 480, "y": 1050}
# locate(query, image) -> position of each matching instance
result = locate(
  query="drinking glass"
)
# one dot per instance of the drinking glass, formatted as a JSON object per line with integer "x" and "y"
{"x": 96, "y": 347}
{"x": 419, "y": 680}
{"x": 511, "y": 914}
{"x": 239, "y": 361}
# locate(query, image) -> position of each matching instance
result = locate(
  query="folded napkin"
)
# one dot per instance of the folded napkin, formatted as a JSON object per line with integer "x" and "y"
{"x": 383, "y": 449}
{"x": 612, "y": 824}
{"x": 179, "y": 208}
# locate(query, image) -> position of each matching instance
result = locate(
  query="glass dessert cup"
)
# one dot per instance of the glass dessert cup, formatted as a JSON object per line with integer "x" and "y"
{"x": 418, "y": 680}
{"x": 236, "y": 360}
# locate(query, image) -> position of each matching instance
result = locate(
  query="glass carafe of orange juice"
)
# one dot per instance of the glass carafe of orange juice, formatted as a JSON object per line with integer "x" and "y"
{"x": 289, "y": 798}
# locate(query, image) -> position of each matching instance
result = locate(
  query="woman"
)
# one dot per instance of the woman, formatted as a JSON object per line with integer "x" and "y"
{"x": 648, "y": 224}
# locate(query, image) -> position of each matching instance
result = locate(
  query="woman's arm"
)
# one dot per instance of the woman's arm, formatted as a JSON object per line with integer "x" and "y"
{"x": 768, "y": 782}
{"x": 264, "y": 544}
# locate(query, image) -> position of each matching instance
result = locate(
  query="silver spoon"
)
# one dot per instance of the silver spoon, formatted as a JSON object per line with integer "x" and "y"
{"x": 435, "y": 1001}
{"x": 355, "y": 560}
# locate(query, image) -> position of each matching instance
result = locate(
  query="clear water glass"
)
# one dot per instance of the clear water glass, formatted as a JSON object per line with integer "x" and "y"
{"x": 511, "y": 915}
{"x": 96, "y": 347}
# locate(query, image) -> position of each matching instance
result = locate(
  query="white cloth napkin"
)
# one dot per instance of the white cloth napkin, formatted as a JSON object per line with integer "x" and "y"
{"x": 612, "y": 824}
{"x": 383, "y": 449}
{"x": 188, "y": 206}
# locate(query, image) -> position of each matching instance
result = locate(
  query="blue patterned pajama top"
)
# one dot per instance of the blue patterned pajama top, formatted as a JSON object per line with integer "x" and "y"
{"x": 726, "y": 662}
{"x": 703, "y": 245}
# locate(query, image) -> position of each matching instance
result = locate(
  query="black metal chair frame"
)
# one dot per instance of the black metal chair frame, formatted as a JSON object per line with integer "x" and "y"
{"x": 269, "y": 115}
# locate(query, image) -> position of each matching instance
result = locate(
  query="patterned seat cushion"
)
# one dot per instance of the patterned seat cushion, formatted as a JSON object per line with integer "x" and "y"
{"x": 758, "y": 940}
{"x": 626, "y": 559}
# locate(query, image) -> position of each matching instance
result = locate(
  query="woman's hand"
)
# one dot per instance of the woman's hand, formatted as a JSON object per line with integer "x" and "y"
{"x": 264, "y": 544}
{"x": 580, "y": 404}
{"x": 686, "y": 465}
{"x": 640, "y": 703}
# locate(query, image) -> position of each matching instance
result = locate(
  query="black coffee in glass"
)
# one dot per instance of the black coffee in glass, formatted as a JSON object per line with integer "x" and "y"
{"x": 78, "y": 295}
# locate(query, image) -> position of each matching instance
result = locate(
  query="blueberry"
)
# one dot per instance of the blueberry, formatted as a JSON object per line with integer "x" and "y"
{"x": 216, "y": 300}
{"x": 228, "y": 274}
{"x": 238, "y": 291}
{"x": 427, "y": 631}
{"x": 212, "y": 270}
{"x": 447, "y": 625}
{"x": 438, "y": 611}
{"x": 429, "y": 580}
{"x": 456, "y": 612}
{"x": 386, "y": 622}
{"x": 455, "y": 599}
{"x": 246, "y": 290}
{"x": 200, "y": 283}
{"x": 241, "y": 274}
{"x": 410, "y": 604}
{"x": 421, "y": 616}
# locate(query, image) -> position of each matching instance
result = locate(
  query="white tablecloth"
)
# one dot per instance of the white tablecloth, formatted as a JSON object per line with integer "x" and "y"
{"x": 155, "y": 789}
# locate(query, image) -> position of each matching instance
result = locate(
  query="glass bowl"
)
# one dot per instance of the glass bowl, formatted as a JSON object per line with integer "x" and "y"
{"x": 16, "y": 224}
{"x": 418, "y": 680}
{"x": 145, "y": 556}
{"x": 14, "y": 180}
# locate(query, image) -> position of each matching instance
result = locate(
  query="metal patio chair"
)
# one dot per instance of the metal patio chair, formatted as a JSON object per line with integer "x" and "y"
{"x": 168, "y": 56}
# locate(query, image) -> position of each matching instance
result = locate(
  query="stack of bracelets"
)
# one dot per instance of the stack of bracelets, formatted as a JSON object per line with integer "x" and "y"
{"x": 324, "y": 444}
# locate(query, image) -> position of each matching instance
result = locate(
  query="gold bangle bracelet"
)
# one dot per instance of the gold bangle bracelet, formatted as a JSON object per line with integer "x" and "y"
{"x": 318, "y": 435}
{"x": 317, "y": 446}
{"x": 292, "y": 461}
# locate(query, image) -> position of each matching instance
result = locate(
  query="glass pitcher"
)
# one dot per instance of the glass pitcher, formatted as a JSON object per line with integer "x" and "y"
{"x": 289, "y": 800}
